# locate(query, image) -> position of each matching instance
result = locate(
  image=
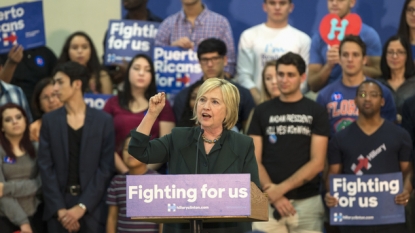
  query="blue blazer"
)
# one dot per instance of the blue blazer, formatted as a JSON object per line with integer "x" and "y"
{"x": 96, "y": 161}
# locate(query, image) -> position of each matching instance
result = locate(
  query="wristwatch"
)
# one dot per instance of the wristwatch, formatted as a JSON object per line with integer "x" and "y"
{"x": 82, "y": 206}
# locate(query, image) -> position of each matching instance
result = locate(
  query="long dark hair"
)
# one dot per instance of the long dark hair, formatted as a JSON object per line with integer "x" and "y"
{"x": 187, "y": 115}
{"x": 25, "y": 142}
{"x": 125, "y": 97}
{"x": 403, "y": 29}
{"x": 409, "y": 64}
{"x": 37, "y": 110}
{"x": 93, "y": 65}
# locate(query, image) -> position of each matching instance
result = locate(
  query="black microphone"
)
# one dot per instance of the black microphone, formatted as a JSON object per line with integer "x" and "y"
{"x": 197, "y": 149}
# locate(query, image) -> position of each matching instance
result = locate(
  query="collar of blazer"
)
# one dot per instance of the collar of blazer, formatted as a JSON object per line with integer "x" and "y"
{"x": 226, "y": 157}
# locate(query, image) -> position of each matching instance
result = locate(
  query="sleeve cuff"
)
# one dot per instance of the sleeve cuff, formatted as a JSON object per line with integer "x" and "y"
{"x": 7, "y": 189}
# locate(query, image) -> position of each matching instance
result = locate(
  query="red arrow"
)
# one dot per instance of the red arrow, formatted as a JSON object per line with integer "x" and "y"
{"x": 184, "y": 79}
{"x": 363, "y": 163}
{"x": 12, "y": 38}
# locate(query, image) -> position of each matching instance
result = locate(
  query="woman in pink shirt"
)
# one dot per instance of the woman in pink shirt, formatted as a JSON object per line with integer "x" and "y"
{"x": 130, "y": 106}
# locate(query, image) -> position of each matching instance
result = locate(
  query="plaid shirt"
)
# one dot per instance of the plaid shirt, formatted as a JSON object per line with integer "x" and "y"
{"x": 208, "y": 24}
{"x": 13, "y": 94}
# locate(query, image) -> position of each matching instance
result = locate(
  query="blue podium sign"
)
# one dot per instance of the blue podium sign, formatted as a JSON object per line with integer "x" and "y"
{"x": 366, "y": 199}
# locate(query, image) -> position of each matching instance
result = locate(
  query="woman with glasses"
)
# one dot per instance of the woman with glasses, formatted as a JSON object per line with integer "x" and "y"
{"x": 407, "y": 24}
{"x": 44, "y": 100}
{"x": 398, "y": 70}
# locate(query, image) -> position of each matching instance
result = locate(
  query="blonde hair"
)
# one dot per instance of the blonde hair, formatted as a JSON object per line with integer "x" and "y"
{"x": 231, "y": 98}
{"x": 265, "y": 95}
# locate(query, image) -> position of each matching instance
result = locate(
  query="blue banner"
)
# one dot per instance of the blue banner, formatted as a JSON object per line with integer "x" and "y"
{"x": 127, "y": 38}
{"x": 96, "y": 101}
{"x": 22, "y": 24}
{"x": 176, "y": 69}
{"x": 366, "y": 199}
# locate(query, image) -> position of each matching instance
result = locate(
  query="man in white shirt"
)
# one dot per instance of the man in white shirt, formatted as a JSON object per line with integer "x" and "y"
{"x": 269, "y": 41}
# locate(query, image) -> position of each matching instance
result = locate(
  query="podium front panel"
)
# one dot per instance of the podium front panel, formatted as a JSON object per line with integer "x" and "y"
{"x": 188, "y": 195}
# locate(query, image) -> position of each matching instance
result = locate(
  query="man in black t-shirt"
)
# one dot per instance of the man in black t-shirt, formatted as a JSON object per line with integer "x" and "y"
{"x": 290, "y": 134}
{"x": 386, "y": 149}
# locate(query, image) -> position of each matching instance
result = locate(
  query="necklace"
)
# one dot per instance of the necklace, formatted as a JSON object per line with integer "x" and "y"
{"x": 210, "y": 141}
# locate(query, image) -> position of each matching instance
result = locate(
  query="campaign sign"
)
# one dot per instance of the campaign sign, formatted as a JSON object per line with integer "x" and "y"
{"x": 96, "y": 101}
{"x": 188, "y": 195}
{"x": 176, "y": 68}
{"x": 22, "y": 24}
{"x": 366, "y": 199}
{"x": 127, "y": 38}
{"x": 333, "y": 29}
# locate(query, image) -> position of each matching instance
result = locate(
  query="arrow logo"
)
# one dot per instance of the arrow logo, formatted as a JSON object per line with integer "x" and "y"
{"x": 363, "y": 163}
{"x": 9, "y": 39}
{"x": 185, "y": 79}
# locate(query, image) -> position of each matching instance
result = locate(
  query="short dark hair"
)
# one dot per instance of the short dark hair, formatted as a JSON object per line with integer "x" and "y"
{"x": 403, "y": 29}
{"x": 409, "y": 64}
{"x": 368, "y": 81}
{"x": 211, "y": 45}
{"x": 294, "y": 59}
{"x": 354, "y": 39}
{"x": 37, "y": 110}
{"x": 75, "y": 71}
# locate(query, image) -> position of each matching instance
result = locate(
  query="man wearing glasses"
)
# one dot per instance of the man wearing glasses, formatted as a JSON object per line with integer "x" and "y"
{"x": 392, "y": 143}
{"x": 213, "y": 60}
{"x": 338, "y": 97}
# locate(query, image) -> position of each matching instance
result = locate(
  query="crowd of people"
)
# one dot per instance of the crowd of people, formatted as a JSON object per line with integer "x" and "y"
{"x": 63, "y": 165}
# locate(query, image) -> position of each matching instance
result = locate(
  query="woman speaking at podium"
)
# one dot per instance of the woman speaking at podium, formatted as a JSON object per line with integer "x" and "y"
{"x": 209, "y": 149}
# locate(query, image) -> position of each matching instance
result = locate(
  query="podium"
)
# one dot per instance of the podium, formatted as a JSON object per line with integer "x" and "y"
{"x": 245, "y": 208}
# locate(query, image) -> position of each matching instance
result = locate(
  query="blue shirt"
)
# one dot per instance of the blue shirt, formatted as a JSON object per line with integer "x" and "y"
{"x": 13, "y": 94}
{"x": 338, "y": 99}
{"x": 319, "y": 49}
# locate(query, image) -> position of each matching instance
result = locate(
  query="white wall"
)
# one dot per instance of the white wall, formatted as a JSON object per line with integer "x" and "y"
{"x": 62, "y": 17}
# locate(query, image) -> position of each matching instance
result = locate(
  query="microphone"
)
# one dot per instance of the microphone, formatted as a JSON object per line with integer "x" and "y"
{"x": 197, "y": 149}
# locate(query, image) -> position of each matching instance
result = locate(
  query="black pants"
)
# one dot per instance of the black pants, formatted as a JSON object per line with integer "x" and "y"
{"x": 88, "y": 223}
{"x": 8, "y": 227}
{"x": 36, "y": 222}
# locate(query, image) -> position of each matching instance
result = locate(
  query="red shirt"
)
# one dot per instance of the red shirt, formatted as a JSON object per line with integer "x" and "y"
{"x": 125, "y": 121}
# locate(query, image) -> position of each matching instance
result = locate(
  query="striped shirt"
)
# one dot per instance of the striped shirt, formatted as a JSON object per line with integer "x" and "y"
{"x": 13, "y": 94}
{"x": 117, "y": 197}
{"x": 208, "y": 24}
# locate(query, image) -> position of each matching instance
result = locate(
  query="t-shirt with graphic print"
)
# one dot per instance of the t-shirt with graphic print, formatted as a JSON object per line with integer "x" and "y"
{"x": 338, "y": 99}
{"x": 286, "y": 130}
{"x": 363, "y": 154}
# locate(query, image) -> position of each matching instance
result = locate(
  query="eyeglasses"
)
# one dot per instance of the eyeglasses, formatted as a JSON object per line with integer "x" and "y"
{"x": 398, "y": 53}
{"x": 410, "y": 11}
{"x": 371, "y": 94}
{"x": 214, "y": 60}
{"x": 48, "y": 98}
